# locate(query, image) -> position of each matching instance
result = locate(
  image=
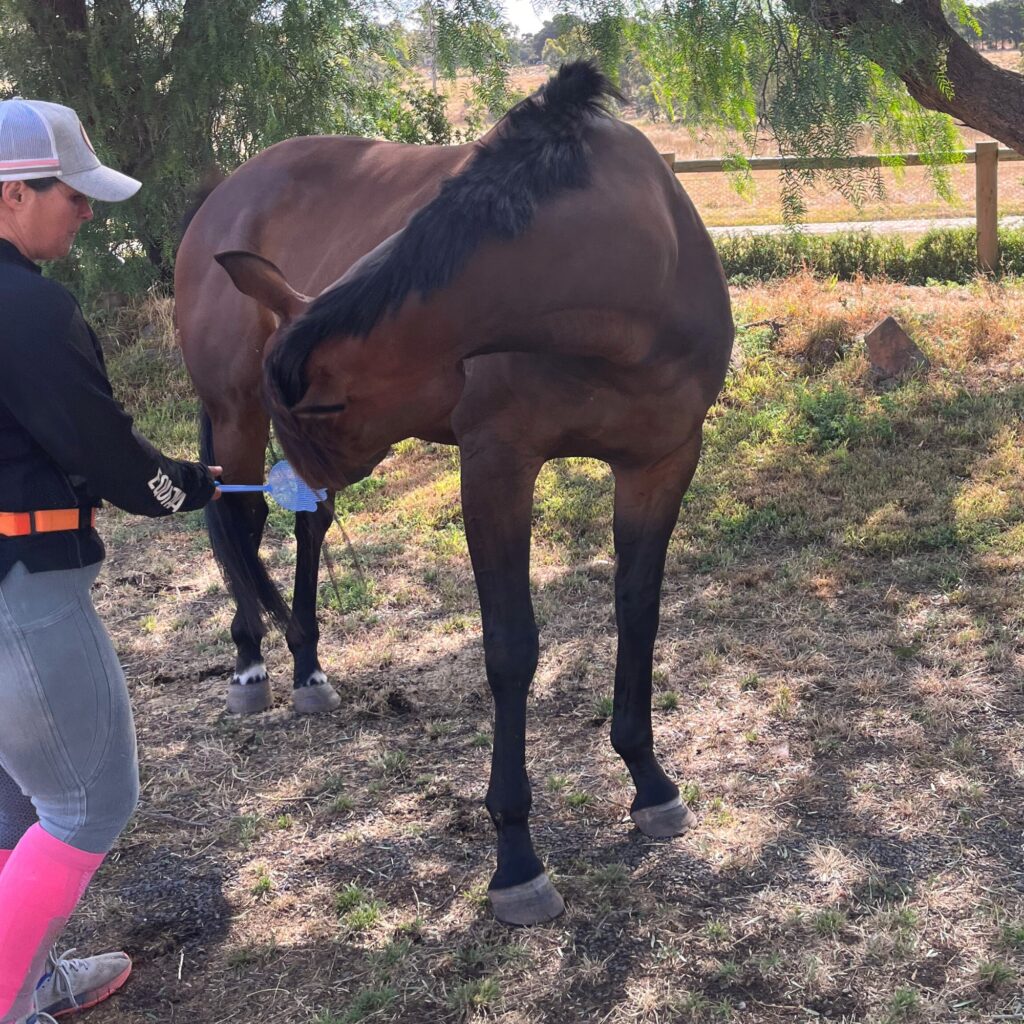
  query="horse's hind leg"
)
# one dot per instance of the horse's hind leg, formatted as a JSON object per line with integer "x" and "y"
{"x": 311, "y": 692}
{"x": 646, "y": 508}
{"x": 497, "y": 498}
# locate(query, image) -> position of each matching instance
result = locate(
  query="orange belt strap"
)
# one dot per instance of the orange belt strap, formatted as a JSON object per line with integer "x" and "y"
{"x": 21, "y": 524}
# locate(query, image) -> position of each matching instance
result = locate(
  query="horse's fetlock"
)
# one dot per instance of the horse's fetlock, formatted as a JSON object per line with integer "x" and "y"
{"x": 631, "y": 745}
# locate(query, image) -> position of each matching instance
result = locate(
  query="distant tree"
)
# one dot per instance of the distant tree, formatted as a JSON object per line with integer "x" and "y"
{"x": 172, "y": 88}
{"x": 1001, "y": 23}
{"x": 556, "y": 27}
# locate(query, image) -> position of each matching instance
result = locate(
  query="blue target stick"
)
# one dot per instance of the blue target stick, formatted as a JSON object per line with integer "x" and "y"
{"x": 286, "y": 487}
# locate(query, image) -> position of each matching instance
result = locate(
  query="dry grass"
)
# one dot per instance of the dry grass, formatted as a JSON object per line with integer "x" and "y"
{"x": 838, "y": 690}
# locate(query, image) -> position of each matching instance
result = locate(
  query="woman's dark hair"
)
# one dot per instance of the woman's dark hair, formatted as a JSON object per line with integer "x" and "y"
{"x": 41, "y": 184}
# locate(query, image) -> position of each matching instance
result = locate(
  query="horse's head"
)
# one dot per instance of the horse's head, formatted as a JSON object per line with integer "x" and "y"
{"x": 338, "y": 399}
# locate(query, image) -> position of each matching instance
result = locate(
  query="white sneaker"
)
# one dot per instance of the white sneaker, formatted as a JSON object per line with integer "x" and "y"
{"x": 72, "y": 985}
{"x": 35, "y": 1017}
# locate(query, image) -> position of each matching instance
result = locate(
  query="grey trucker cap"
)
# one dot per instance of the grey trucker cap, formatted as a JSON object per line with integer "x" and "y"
{"x": 43, "y": 140}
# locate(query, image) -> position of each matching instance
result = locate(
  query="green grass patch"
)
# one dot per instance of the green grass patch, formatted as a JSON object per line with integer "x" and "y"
{"x": 604, "y": 706}
{"x": 366, "y": 1004}
{"x": 573, "y": 503}
{"x": 995, "y": 974}
{"x": 668, "y": 701}
{"x": 829, "y": 923}
{"x": 355, "y": 593}
{"x": 476, "y": 995}
{"x": 263, "y": 885}
{"x": 903, "y": 1004}
{"x": 363, "y": 496}
{"x": 357, "y": 909}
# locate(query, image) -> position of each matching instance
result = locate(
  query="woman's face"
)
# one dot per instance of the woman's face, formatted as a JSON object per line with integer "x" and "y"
{"x": 45, "y": 223}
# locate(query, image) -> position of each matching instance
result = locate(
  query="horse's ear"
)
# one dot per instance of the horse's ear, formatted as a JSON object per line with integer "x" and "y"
{"x": 261, "y": 280}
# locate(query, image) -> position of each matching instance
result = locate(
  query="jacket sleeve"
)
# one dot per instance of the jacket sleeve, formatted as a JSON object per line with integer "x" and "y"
{"x": 60, "y": 394}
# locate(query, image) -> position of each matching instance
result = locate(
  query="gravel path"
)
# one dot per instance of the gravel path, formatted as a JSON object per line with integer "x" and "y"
{"x": 902, "y": 227}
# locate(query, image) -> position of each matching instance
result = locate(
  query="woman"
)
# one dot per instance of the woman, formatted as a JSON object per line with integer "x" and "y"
{"x": 68, "y": 770}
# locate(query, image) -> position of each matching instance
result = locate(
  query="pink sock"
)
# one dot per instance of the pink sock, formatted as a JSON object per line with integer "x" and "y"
{"x": 4, "y": 857}
{"x": 41, "y": 884}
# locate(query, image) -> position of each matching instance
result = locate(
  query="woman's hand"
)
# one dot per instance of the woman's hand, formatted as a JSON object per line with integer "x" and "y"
{"x": 215, "y": 471}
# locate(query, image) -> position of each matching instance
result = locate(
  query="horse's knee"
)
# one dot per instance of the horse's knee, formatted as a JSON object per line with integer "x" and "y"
{"x": 510, "y": 655}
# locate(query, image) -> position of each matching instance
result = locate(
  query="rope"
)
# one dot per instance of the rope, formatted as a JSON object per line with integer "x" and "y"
{"x": 324, "y": 550}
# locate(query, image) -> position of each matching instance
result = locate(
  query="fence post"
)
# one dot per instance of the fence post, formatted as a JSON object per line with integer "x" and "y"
{"x": 670, "y": 159}
{"x": 987, "y": 204}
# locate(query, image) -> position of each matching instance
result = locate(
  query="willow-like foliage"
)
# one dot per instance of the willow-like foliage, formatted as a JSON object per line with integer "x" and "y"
{"x": 171, "y": 89}
{"x": 754, "y": 68}
{"x": 469, "y": 37}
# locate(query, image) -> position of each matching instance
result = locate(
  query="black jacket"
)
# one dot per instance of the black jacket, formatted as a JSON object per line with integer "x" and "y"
{"x": 65, "y": 441}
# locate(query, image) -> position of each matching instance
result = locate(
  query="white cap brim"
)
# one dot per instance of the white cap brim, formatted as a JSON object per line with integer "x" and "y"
{"x": 102, "y": 183}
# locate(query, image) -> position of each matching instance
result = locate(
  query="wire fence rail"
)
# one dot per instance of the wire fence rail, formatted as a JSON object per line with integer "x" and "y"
{"x": 986, "y": 156}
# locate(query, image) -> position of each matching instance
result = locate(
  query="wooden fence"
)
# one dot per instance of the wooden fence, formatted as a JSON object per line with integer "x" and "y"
{"x": 985, "y": 156}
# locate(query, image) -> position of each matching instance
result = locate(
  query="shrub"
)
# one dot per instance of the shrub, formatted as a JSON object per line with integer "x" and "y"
{"x": 948, "y": 254}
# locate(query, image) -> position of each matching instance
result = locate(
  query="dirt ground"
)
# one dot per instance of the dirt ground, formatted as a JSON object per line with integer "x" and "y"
{"x": 838, "y": 692}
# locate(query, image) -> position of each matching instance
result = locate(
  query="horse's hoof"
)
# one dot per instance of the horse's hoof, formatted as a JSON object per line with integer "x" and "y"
{"x": 533, "y": 902}
{"x": 664, "y": 820}
{"x": 249, "y": 698}
{"x": 315, "y": 699}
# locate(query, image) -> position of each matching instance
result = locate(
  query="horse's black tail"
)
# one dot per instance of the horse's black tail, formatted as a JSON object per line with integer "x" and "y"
{"x": 233, "y": 545}
{"x": 211, "y": 178}
{"x": 559, "y": 108}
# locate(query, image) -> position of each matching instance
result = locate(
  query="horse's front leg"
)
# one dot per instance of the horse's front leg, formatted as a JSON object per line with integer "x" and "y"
{"x": 497, "y": 499}
{"x": 311, "y": 692}
{"x": 647, "y": 504}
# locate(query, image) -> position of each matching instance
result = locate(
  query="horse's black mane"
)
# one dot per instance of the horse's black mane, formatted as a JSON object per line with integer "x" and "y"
{"x": 538, "y": 152}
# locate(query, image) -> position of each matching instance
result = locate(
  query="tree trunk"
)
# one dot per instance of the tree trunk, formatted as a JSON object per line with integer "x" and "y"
{"x": 60, "y": 26}
{"x": 983, "y": 96}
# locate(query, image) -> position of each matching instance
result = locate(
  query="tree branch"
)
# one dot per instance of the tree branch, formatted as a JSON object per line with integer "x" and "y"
{"x": 983, "y": 96}
{"x": 52, "y": 19}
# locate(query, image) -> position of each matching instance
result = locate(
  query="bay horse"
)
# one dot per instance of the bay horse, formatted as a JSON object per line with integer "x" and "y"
{"x": 548, "y": 291}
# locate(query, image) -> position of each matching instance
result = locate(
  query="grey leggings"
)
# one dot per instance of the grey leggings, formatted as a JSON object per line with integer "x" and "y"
{"x": 67, "y": 738}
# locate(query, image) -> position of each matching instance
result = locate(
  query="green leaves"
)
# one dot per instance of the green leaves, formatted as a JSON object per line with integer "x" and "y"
{"x": 169, "y": 91}
{"x": 750, "y": 68}
{"x": 452, "y": 36}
